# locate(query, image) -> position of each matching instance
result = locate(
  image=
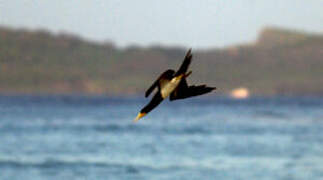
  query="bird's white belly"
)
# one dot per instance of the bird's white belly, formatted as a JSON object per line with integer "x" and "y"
{"x": 168, "y": 87}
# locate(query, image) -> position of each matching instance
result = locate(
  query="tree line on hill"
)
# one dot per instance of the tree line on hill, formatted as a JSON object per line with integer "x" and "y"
{"x": 279, "y": 62}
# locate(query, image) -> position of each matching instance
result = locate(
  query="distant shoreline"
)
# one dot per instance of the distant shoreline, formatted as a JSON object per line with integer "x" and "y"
{"x": 279, "y": 62}
{"x": 141, "y": 96}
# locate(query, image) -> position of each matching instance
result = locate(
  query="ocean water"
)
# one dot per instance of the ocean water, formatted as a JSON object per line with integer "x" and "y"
{"x": 79, "y": 137}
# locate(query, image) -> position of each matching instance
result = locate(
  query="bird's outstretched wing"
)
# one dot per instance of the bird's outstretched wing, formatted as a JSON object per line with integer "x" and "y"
{"x": 184, "y": 91}
{"x": 151, "y": 88}
{"x": 185, "y": 64}
{"x": 170, "y": 73}
{"x": 167, "y": 75}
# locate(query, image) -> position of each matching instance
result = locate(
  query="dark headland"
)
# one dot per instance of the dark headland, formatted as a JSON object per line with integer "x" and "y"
{"x": 279, "y": 62}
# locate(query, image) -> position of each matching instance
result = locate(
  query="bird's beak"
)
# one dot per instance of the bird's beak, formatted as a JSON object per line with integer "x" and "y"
{"x": 140, "y": 115}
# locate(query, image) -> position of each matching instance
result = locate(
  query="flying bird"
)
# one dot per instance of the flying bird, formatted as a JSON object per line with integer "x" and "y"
{"x": 174, "y": 85}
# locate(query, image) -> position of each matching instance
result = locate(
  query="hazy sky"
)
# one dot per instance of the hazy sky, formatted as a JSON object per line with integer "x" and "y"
{"x": 205, "y": 23}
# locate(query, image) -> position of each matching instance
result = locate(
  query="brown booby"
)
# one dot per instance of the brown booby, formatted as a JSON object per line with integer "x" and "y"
{"x": 174, "y": 85}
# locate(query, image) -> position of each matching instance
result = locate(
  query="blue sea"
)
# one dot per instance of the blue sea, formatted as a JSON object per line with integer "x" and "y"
{"x": 82, "y": 137}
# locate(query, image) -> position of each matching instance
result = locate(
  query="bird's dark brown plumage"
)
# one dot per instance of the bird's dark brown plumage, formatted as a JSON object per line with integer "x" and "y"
{"x": 175, "y": 86}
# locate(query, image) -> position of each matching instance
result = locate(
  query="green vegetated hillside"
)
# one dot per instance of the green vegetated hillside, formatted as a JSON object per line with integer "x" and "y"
{"x": 279, "y": 62}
